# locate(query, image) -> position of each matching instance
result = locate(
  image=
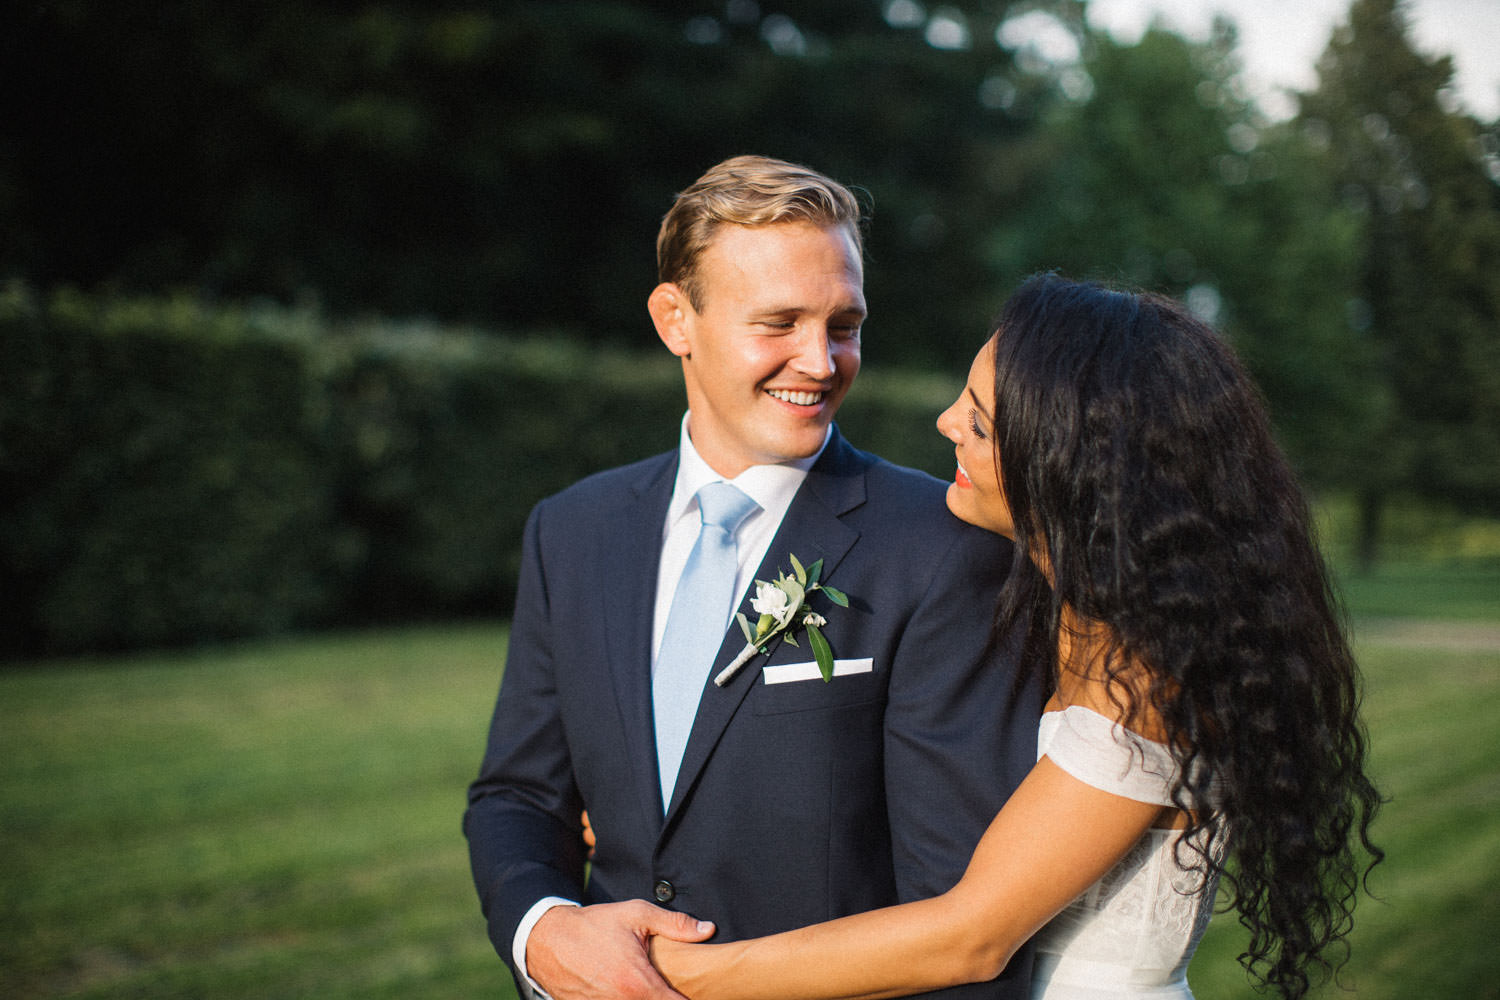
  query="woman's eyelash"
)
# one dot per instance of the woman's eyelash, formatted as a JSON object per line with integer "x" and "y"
{"x": 974, "y": 424}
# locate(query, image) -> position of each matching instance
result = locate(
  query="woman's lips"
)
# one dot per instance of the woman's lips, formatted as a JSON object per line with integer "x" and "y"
{"x": 962, "y": 478}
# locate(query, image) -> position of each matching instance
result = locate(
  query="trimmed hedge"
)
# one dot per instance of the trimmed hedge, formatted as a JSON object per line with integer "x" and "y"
{"x": 447, "y": 439}
{"x": 164, "y": 477}
{"x": 173, "y": 472}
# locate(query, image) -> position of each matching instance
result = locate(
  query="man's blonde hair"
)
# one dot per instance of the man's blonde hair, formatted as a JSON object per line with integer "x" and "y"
{"x": 746, "y": 191}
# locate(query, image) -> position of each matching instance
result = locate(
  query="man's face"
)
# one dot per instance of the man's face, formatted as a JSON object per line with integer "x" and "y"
{"x": 776, "y": 346}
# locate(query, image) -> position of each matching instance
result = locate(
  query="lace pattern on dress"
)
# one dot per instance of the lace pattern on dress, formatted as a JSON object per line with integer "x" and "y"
{"x": 1136, "y": 928}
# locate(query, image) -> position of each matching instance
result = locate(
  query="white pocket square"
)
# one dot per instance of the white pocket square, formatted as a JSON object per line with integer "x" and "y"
{"x": 785, "y": 673}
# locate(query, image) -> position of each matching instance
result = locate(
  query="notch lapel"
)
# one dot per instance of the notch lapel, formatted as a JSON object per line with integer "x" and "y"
{"x": 628, "y": 576}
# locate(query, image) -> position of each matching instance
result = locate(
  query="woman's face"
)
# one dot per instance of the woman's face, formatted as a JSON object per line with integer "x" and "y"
{"x": 976, "y": 494}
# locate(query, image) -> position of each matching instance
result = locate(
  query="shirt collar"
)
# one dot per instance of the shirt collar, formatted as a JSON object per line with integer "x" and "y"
{"x": 770, "y": 486}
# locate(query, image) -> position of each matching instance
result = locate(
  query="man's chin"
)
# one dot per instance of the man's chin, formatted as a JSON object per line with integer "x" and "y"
{"x": 803, "y": 443}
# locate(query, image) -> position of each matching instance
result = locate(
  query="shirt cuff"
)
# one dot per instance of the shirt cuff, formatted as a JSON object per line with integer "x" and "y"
{"x": 523, "y": 934}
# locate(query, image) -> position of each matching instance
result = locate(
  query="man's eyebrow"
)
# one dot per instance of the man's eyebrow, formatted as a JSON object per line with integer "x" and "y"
{"x": 978, "y": 405}
{"x": 852, "y": 309}
{"x": 790, "y": 312}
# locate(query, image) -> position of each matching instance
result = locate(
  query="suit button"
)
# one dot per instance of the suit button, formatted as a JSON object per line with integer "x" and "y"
{"x": 664, "y": 891}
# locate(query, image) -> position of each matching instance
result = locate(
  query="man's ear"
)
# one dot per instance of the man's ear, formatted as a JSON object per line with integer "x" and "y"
{"x": 672, "y": 313}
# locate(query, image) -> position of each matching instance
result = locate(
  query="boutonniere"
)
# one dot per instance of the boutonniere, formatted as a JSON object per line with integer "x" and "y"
{"x": 782, "y": 605}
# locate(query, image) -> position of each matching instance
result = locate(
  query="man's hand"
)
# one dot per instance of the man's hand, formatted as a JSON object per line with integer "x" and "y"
{"x": 599, "y": 952}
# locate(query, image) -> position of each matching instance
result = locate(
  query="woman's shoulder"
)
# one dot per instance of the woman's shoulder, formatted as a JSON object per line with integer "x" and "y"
{"x": 1096, "y": 674}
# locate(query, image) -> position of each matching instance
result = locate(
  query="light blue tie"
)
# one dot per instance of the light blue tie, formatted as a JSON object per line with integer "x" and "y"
{"x": 701, "y": 610}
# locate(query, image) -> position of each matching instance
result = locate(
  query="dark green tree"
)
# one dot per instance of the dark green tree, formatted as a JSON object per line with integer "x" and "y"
{"x": 1166, "y": 176}
{"x": 505, "y": 164}
{"x": 1427, "y": 293}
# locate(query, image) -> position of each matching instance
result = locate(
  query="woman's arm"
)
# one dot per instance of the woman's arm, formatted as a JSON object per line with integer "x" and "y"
{"x": 1055, "y": 837}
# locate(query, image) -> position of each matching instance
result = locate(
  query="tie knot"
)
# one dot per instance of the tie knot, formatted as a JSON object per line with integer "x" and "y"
{"x": 724, "y": 506}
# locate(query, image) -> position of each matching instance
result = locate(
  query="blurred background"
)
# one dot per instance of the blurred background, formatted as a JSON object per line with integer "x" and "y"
{"x": 267, "y": 268}
{"x": 303, "y": 306}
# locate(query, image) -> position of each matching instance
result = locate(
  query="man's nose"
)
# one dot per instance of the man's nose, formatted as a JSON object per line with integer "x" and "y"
{"x": 814, "y": 353}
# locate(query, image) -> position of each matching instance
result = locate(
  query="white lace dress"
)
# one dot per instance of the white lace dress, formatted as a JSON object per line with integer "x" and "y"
{"x": 1132, "y": 933}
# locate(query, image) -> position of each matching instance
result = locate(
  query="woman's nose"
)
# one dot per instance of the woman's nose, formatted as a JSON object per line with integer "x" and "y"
{"x": 948, "y": 424}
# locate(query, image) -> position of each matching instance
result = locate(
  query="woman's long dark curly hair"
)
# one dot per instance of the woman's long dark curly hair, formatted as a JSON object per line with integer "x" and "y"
{"x": 1135, "y": 450}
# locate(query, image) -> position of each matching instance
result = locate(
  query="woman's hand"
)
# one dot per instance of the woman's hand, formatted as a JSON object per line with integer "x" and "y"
{"x": 672, "y": 959}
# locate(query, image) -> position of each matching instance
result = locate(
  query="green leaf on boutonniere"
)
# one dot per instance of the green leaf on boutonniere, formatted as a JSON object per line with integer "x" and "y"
{"x": 797, "y": 569}
{"x": 782, "y": 607}
{"x": 822, "y": 652}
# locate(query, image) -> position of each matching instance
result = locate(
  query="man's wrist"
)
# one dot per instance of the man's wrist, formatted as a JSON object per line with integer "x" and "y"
{"x": 523, "y": 934}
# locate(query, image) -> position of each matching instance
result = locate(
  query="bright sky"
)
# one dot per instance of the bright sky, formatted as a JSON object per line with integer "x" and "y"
{"x": 1280, "y": 40}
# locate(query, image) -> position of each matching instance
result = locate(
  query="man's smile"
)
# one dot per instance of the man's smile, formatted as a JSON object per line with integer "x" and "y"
{"x": 800, "y": 398}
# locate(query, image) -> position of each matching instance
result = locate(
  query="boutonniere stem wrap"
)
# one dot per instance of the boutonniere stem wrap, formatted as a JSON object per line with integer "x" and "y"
{"x": 782, "y": 606}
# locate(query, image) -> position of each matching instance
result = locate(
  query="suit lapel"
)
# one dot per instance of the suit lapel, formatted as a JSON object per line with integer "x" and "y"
{"x": 812, "y": 530}
{"x": 628, "y": 598}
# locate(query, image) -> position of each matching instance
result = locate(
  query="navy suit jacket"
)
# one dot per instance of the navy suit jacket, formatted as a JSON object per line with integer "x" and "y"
{"x": 796, "y": 802}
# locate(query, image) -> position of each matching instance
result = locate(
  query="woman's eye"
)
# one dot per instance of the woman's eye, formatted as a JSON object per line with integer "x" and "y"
{"x": 974, "y": 425}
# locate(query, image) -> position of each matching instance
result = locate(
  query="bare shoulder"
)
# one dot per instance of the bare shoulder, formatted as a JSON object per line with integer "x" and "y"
{"x": 1096, "y": 674}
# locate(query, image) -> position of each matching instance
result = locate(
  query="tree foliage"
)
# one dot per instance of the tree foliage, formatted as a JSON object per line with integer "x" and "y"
{"x": 1427, "y": 293}
{"x": 1168, "y": 177}
{"x": 502, "y": 164}
{"x": 506, "y": 165}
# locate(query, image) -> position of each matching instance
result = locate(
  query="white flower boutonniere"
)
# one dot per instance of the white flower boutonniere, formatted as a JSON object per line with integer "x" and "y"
{"x": 782, "y": 605}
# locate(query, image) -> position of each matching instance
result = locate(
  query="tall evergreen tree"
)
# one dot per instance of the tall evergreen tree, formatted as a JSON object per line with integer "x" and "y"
{"x": 1427, "y": 296}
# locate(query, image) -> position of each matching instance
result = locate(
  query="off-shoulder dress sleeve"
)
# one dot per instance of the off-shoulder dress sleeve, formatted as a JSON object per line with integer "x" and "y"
{"x": 1102, "y": 753}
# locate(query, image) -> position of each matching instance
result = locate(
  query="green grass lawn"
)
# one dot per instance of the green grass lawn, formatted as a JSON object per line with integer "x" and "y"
{"x": 1463, "y": 592}
{"x": 1436, "y": 756}
{"x": 281, "y": 819}
{"x": 273, "y": 820}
